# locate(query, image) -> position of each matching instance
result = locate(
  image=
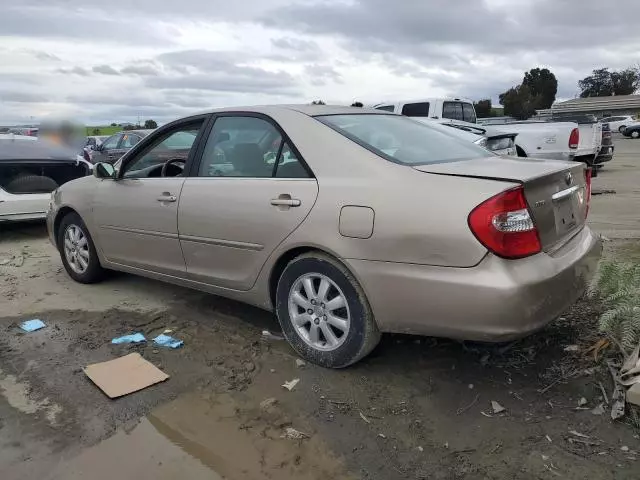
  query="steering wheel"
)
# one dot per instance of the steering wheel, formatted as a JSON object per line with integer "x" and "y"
{"x": 165, "y": 167}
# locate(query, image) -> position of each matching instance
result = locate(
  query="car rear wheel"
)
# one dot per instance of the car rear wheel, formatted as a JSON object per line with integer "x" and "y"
{"x": 29, "y": 183}
{"x": 622, "y": 128}
{"x": 324, "y": 313}
{"x": 77, "y": 250}
{"x": 635, "y": 134}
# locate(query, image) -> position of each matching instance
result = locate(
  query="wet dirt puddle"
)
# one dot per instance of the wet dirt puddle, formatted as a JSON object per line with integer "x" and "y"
{"x": 206, "y": 436}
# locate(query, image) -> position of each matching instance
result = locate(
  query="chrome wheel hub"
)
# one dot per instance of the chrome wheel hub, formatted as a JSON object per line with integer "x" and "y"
{"x": 76, "y": 249}
{"x": 319, "y": 312}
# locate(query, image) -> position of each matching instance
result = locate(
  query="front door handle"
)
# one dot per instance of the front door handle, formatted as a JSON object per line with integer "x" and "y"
{"x": 167, "y": 198}
{"x": 285, "y": 201}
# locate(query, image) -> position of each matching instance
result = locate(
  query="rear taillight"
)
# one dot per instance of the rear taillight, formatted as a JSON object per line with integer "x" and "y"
{"x": 86, "y": 155}
{"x": 587, "y": 179}
{"x": 574, "y": 138}
{"x": 503, "y": 225}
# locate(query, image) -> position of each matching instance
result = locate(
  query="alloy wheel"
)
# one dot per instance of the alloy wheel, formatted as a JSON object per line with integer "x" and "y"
{"x": 76, "y": 249}
{"x": 319, "y": 311}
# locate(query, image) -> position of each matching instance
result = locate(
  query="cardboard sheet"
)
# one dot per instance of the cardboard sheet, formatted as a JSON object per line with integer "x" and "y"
{"x": 124, "y": 375}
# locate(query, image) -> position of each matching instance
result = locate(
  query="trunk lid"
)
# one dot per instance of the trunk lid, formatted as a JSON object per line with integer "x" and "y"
{"x": 556, "y": 192}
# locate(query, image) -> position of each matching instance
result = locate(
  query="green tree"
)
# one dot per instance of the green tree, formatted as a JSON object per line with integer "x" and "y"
{"x": 150, "y": 124}
{"x": 129, "y": 127}
{"x": 625, "y": 82}
{"x": 543, "y": 84}
{"x": 96, "y": 131}
{"x": 519, "y": 102}
{"x": 114, "y": 124}
{"x": 598, "y": 84}
{"x": 483, "y": 108}
{"x": 318, "y": 102}
{"x": 357, "y": 104}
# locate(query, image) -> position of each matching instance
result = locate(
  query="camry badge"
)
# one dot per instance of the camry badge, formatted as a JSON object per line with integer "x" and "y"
{"x": 568, "y": 178}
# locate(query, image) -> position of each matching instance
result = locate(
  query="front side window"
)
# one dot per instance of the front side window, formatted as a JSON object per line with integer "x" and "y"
{"x": 402, "y": 140}
{"x": 129, "y": 140}
{"x": 173, "y": 145}
{"x": 112, "y": 142}
{"x": 386, "y": 108}
{"x": 416, "y": 109}
{"x": 468, "y": 113}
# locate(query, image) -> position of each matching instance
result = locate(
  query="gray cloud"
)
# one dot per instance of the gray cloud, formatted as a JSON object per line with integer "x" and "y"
{"x": 13, "y": 96}
{"x": 142, "y": 70}
{"x": 105, "y": 70}
{"x": 322, "y": 74}
{"x": 74, "y": 71}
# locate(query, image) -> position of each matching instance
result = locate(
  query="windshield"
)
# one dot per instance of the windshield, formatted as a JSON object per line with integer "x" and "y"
{"x": 402, "y": 140}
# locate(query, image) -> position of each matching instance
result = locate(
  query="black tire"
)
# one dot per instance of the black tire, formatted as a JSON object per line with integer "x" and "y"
{"x": 363, "y": 334}
{"x": 635, "y": 134}
{"x": 94, "y": 271}
{"x": 29, "y": 183}
{"x": 622, "y": 128}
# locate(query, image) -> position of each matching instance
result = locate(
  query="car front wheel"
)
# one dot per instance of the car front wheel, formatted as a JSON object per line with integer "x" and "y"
{"x": 635, "y": 134}
{"x": 324, "y": 313}
{"x": 622, "y": 129}
{"x": 77, "y": 250}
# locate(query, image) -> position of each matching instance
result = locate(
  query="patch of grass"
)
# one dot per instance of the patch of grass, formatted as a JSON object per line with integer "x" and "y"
{"x": 104, "y": 130}
{"x": 617, "y": 285}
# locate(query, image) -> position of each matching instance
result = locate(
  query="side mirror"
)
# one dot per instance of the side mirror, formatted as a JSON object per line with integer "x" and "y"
{"x": 104, "y": 170}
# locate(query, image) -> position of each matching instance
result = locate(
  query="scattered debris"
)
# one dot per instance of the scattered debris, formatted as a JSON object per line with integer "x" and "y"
{"x": 604, "y": 393}
{"x": 272, "y": 370}
{"x": 497, "y": 408}
{"x": 267, "y": 335}
{"x": 633, "y": 394}
{"x": 249, "y": 366}
{"x": 168, "y": 330}
{"x": 597, "y": 347}
{"x": 382, "y": 435}
{"x": 599, "y": 410}
{"x": 291, "y": 384}
{"x": 582, "y": 402}
{"x": 471, "y": 386}
{"x": 293, "y": 434}
{"x": 548, "y": 438}
{"x": 578, "y": 434}
{"x": 364, "y": 418}
{"x": 18, "y": 261}
{"x": 167, "y": 341}
{"x": 300, "y": 363}
{"x": 630, "y": 371}
{"x": 133, "y": 338}
{"x": 618, "y": 407}
{"x": 5, "y": 261}
{"x": 420, "y": 449}
{"x": 572, "y": 348}
{"x": 124, "y": 375}
{"x": 267, "y": 403}
{"x": 624, "y": 448}
{"x": 464, "y": 409}
{"x": 32, "y": 325}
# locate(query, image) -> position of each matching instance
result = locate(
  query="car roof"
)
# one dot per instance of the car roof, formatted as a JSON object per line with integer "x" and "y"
{"x": 311, "y": 110}
{"x": 142, "y": 132}
{"x": 13, "y": 150}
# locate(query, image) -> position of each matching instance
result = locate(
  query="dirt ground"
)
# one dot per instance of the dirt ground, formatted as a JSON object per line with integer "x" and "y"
{"x": 417, "y": 408}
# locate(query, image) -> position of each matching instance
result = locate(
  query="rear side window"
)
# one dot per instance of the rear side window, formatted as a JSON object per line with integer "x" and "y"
{"x": 403, "y": 140}
{"x": 416, "y": 109}
{"x": 386, "y": 108}
{"x": 452, "y": 110}
{"x": 468, "y": 113}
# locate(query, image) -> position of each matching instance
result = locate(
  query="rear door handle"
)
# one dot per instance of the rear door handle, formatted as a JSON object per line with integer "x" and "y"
{"x": 286, "y": 202}
{"x": 167, "y": 198}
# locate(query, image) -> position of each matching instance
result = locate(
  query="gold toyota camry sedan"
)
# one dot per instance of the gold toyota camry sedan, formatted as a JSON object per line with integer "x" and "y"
{"x": 345, "y": 222}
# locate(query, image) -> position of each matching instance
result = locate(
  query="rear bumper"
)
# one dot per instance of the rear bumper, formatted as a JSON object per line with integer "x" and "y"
{"x": 605, "y": 155}
{"x": 496, "y": 300}
{"x": 17, "y": 208}
{"x": 564, "y": 156}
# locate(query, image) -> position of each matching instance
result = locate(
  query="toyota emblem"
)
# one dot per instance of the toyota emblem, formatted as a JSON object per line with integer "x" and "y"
{"x": 568, "y": 178}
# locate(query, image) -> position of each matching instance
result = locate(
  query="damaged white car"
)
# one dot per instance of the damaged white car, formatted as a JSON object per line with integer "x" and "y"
{"x": 30, "y": 169}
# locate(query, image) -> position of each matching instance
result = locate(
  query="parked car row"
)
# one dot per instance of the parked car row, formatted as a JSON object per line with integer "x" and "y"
{"x": 345, "y": 222}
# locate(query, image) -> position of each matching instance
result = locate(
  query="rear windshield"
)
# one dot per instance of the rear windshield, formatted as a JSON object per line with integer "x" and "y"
{"x": 403, "y": 140}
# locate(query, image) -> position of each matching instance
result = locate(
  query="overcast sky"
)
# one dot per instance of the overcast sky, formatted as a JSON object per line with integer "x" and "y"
{"x": 163, "y": 58}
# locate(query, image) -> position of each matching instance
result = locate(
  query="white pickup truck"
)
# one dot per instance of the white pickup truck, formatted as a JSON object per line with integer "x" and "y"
{"x": 552, "y": 140}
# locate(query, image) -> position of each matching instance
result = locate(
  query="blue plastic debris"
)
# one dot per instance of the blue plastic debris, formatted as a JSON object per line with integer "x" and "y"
{"x": 133, "y": 338}
{"x": 167, "y": 341}
{"x": 32, "y": 325}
